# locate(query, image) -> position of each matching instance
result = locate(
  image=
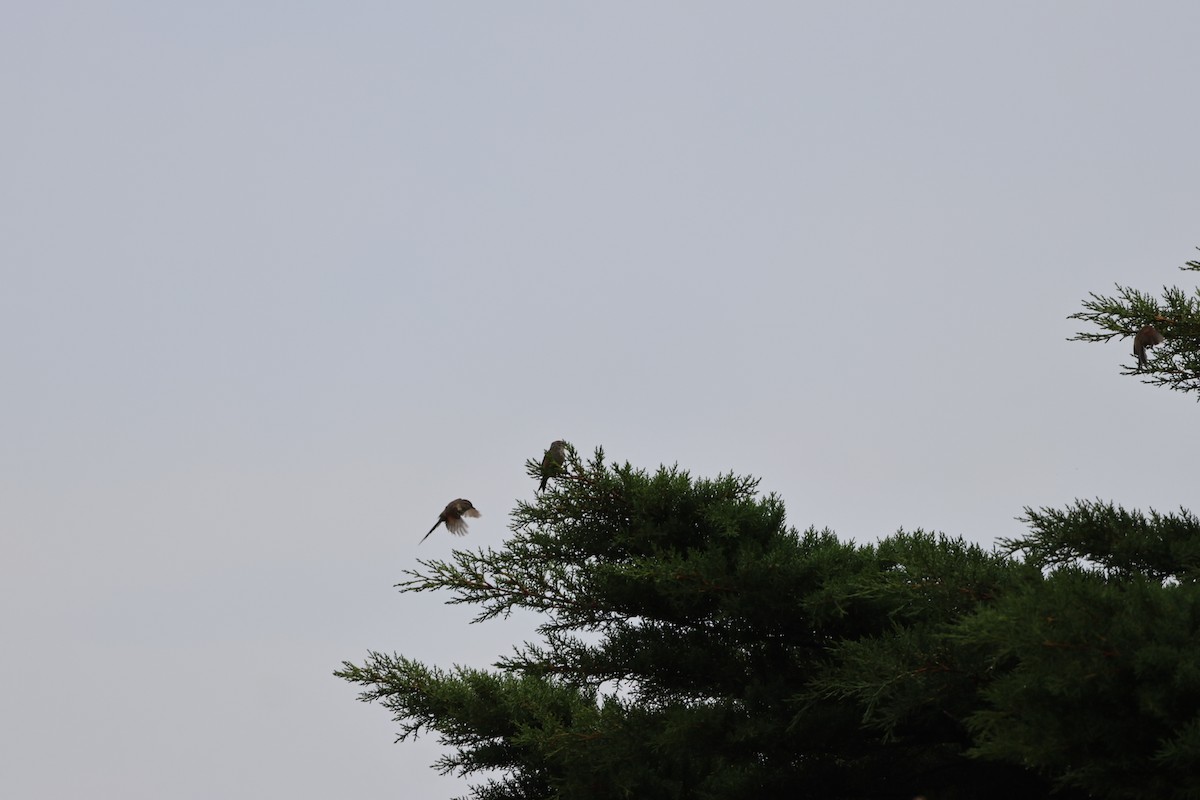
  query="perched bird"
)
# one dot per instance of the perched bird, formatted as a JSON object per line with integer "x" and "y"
{"x": 453, "y": 517}
{"x": 1146, "y": 337}
{"x": 552, "y": 462}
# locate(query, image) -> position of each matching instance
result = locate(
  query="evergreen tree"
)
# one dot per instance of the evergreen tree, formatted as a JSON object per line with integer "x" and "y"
{"x": 1176, "y": 315}
{"x": 692, "y": 645}
{"x": 695, "y": 646}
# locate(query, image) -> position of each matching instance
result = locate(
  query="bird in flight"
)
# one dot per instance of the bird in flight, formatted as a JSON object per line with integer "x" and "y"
{"x": 452, "y": 516}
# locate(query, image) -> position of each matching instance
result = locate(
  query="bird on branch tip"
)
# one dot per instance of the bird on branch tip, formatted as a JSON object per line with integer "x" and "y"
{"x": 1146, "y": 337}
{"x": 452, "y": 516}
{"x": 552, "y": 462}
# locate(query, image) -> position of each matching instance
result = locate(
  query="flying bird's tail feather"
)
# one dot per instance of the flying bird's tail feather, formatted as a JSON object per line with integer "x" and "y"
{"x": 431, "y": 530}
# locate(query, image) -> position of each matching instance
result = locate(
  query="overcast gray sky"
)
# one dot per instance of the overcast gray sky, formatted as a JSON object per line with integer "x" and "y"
{"x": 281, "y": 279}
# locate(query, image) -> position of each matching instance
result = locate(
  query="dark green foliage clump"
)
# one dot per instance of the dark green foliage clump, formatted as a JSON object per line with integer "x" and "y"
{"x": 1176, "y": 315}
{"x": 694, "y": 646}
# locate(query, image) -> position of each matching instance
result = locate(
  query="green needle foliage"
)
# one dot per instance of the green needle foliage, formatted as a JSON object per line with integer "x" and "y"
{"x": 1176, "y": 362}
{"x": 692, "y": 645}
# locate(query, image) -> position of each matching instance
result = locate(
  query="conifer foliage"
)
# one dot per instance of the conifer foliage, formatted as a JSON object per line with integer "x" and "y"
{"x": 1175, "y": 321}
{"x": 692, "y": 645}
